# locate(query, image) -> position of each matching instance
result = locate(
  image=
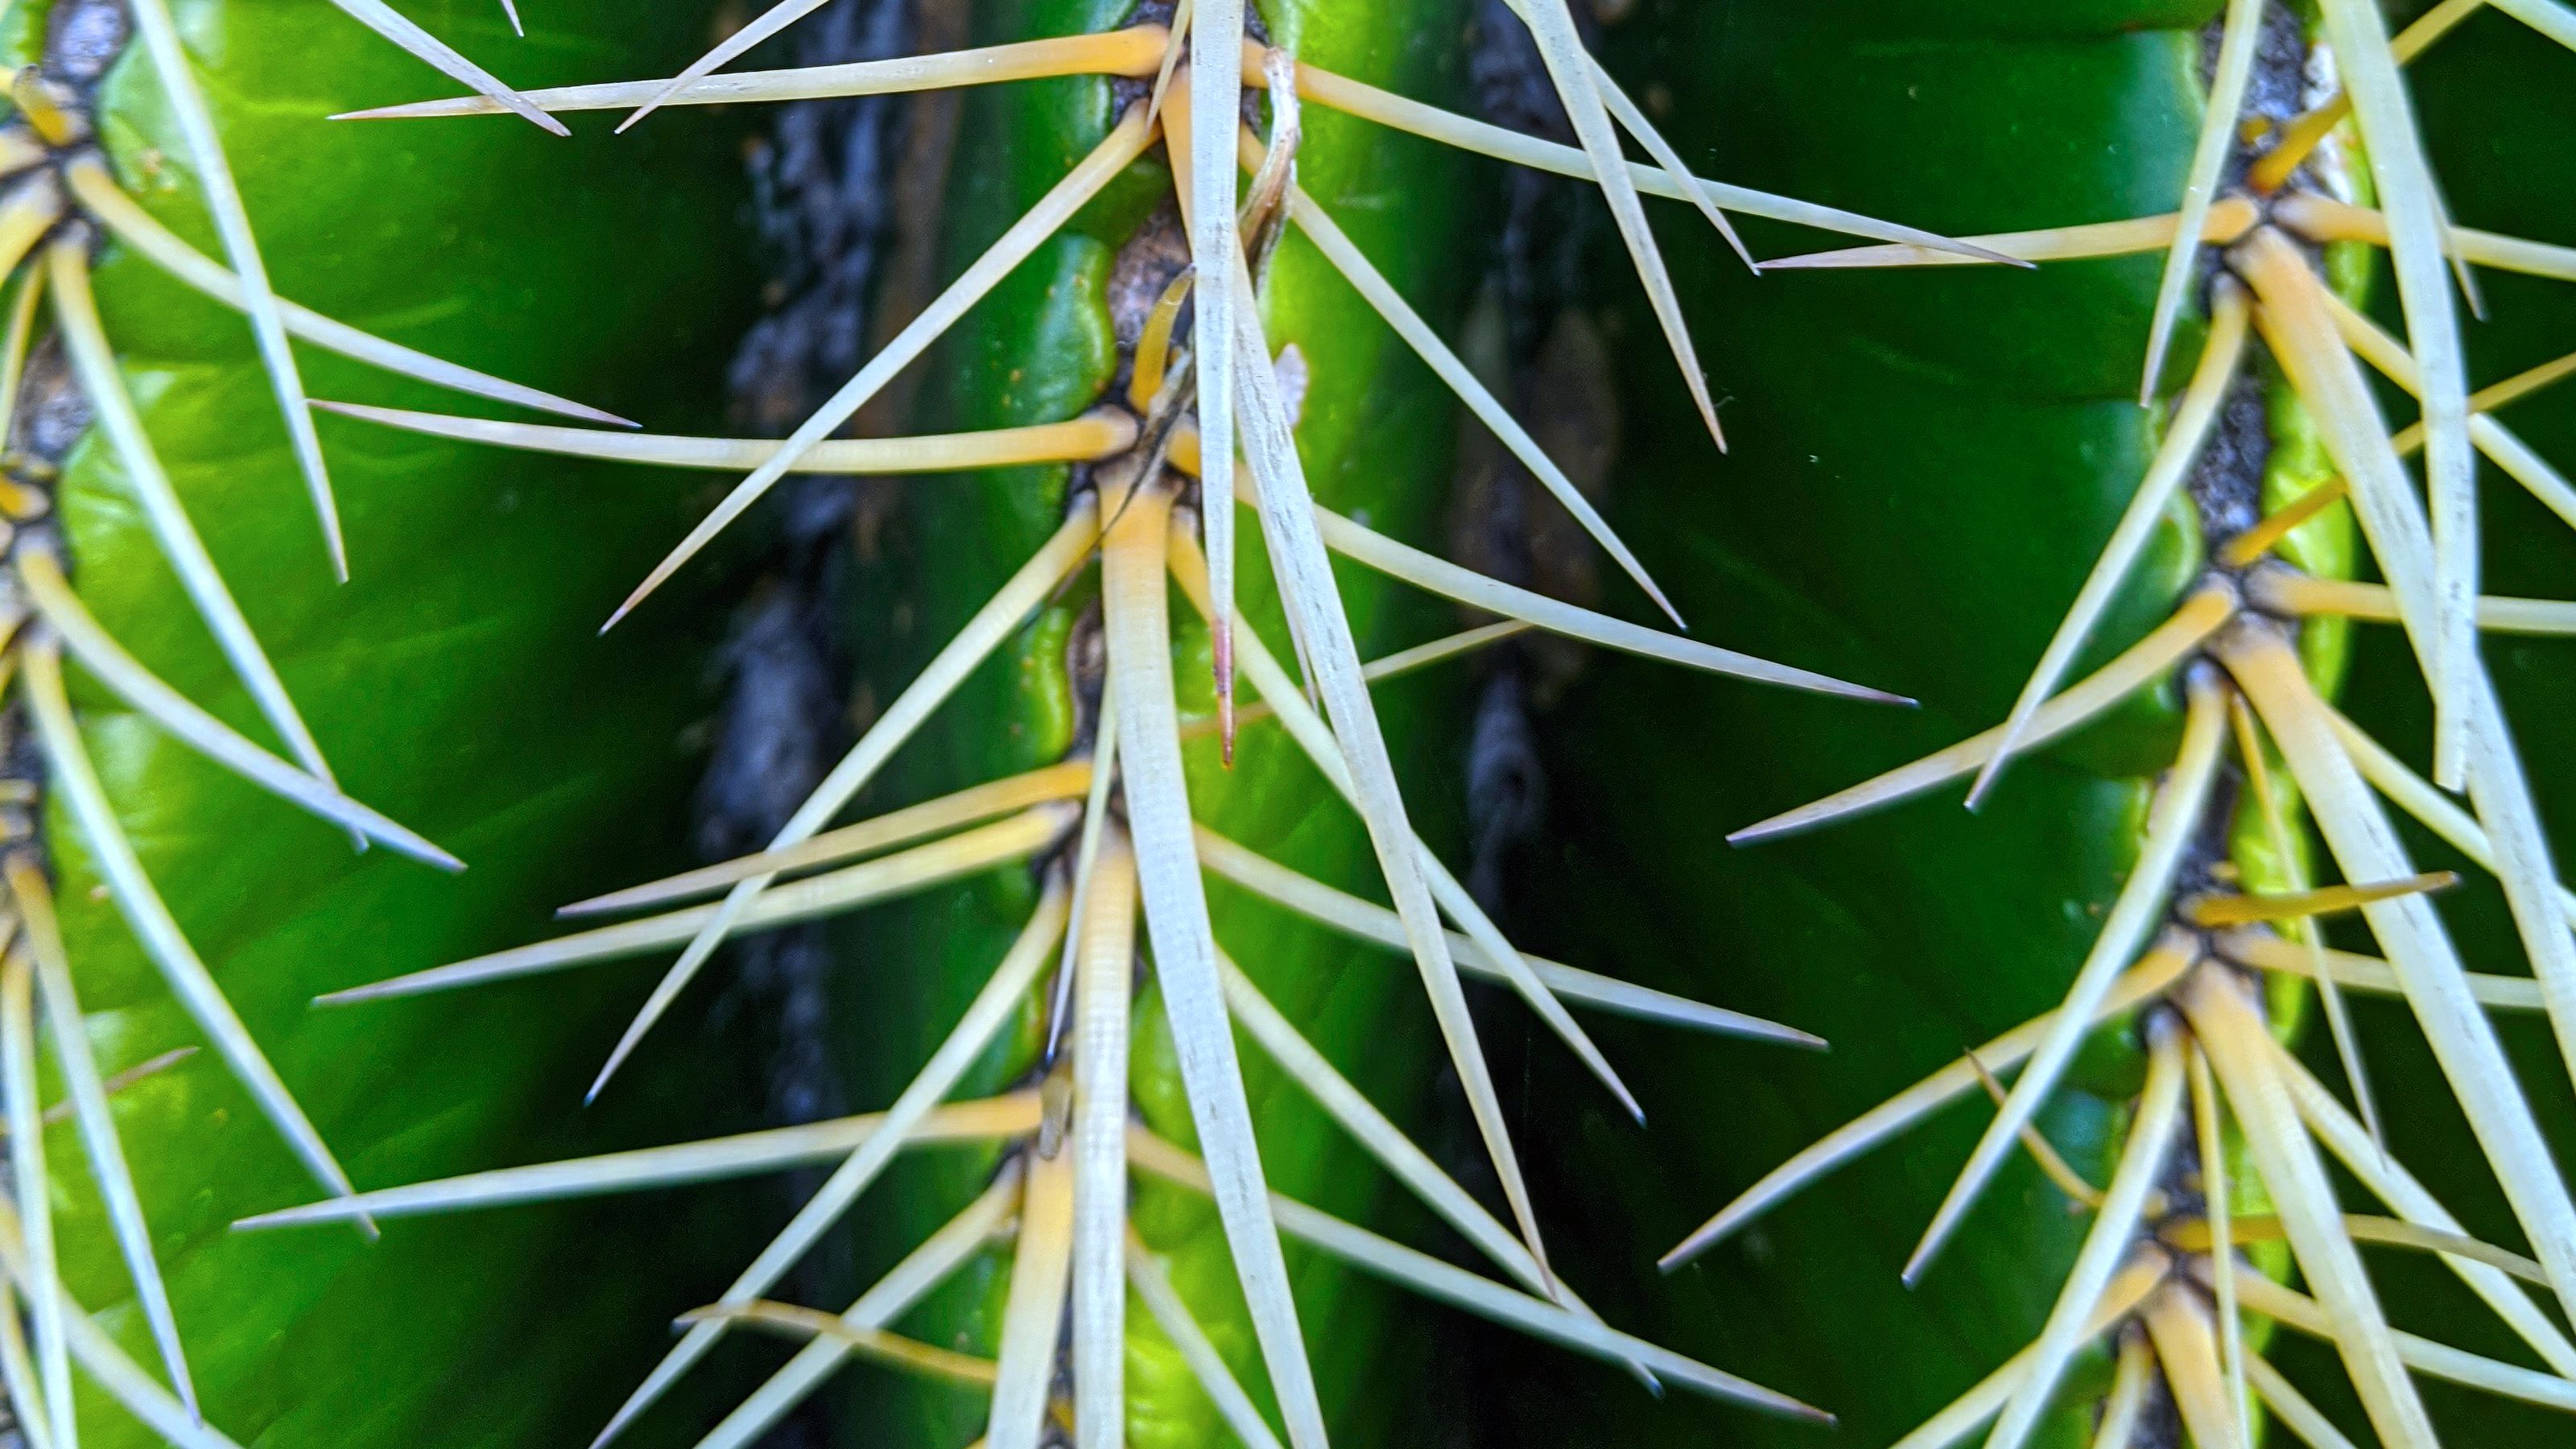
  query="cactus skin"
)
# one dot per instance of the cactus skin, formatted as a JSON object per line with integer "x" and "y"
{"x": 1906, "y": 935}
{"x": 1375, "y": 437}
{"x": 455, "y": 683}
{"x": 1985, "y": 414}
{"x": 1925, "y": 465}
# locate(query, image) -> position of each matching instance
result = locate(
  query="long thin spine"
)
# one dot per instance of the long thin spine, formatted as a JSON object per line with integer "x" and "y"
{"x": 107, "y": 203}
{"x": 79, "y": 1067}
{"x": 1314, "y": 607}
{"x": 2420, "y": 950}
{"x": 1129, "y": 53}
{"x": 1358, "y": 98}
{"x": 1437, "y": 575}
{"x": 1308, "y": 729}
{"x": 980, "y": 636}
{"x": 988, "y": 1120}
{"x": 390, "y": 23}
{"x": 2191, "y": 625}
{"x": 1033, "y": 1315}
{"x": 33, "y": 1188}
{"x": 2153, "y": 974}
{"x": 1124, "y": 143}
{"x": 2171, "y": 823}
{"x": 1087, "y": 439}
{"x": 1203, "y": 118}
{"x": 975, "y": 1027}
{"x": 2358, "y": 33}
{"x": 1133, "y": 589}
{"x": 1372, "y": 285}
{"x": 910, "y": 825}
{"x": 906, "y": 1283}
{"x": 2238, "y": 36}
{"x": 2240, "y": 1049}
{"x": 2175, "y": 455}
{"x": 976, "y": 804}
{"x": 1136, "y": 53}
{"x": 1103, "y": 965}
{"x": 1355, "y": 1114}
{"x": 76, "y": 780}
{"x": 1570, "y": 67}
{"x": 2130, "y": 1375}
{"x": 2219, "y": 1211}
{"x": 1312, "y": 736}
{"x": 2389, "y": 1180}
{"x": 97, "y": 650}
{"x": 94, "y": 360}
{"x": 232, "y": 223}
{"x": 2229, "y": 219}
{"x": 2186, "y": 1349}
{"x": 2303, "y": 338}
{"x": 966, "y": 853}
{"x": 2151, "y": 1134}
{"x": 1367, "y": 921}
{"x": 1170, "y": 1314}
{"x": 1444, "y": 1282}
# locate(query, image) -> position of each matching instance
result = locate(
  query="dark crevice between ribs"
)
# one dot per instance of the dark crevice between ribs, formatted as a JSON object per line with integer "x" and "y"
{"x": 2225, "y": 490}
{"x": 824, "y": 203}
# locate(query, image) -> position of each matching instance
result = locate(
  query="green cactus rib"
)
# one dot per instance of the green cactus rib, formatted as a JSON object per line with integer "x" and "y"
{"x": 1376, "y": 438}
{"x": 442, "y": 684}
{"x": 1072, "y": 293}
{"x": 1952, "y": 452}
{"x": 2164, "y": 836}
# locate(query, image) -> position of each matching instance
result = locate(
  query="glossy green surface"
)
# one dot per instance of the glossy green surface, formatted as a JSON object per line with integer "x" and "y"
{"x": 1925, "y": 464}
{"x": 455, "y": 683}
{"x": 1375, "y": 436}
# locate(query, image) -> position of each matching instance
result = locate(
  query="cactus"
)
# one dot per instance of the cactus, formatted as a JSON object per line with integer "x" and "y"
{"x": 179, "y": 870}
{"x": 2081, "y": 883}
{"x": 2166, "y": 421}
